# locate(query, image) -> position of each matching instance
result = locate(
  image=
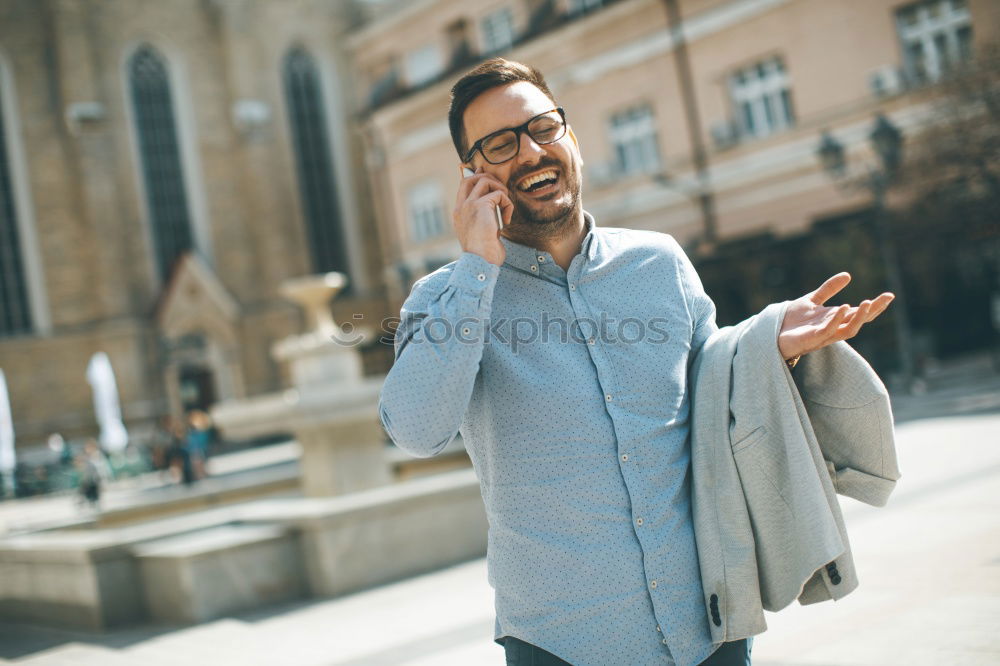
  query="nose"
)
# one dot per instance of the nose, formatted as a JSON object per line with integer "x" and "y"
{"x": 529, "y": 152}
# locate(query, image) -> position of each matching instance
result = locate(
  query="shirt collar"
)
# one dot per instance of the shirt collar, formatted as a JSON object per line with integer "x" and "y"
{"x": 524, "y": 257}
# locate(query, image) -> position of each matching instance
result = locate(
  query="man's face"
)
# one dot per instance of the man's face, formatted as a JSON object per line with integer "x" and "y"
{"x": 548, "y": 210}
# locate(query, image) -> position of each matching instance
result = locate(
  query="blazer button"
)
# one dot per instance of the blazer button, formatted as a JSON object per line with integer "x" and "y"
{"x": 716, "y": 620}
{"x": 835, "y": 579}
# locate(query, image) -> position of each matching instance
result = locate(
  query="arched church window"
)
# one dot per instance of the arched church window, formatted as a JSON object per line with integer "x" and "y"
{"x": 313, "y": 161}
{"x": 160, "y": 157}
{"x": 15, "y": 310}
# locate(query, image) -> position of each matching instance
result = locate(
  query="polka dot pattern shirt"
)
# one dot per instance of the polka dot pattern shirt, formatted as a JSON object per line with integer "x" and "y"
{"x": 570, "y": 391}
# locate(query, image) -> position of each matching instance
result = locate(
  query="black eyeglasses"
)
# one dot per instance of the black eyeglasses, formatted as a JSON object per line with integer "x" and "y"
{"x": 502, "y": 145}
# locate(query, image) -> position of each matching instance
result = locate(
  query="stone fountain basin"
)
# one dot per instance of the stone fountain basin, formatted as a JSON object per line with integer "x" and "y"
{"x": 288, "y": 410}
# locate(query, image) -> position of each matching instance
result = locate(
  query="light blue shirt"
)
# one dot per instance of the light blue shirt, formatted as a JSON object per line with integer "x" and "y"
{"x": 570, "y": 391}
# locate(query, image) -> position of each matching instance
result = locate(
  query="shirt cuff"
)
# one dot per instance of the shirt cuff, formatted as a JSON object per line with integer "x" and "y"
{"x": 473, "y": 274}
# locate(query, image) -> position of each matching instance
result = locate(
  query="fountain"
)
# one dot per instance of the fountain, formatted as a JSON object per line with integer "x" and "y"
{"x": 355, "y": 527}
{"x": 331, "y": 408}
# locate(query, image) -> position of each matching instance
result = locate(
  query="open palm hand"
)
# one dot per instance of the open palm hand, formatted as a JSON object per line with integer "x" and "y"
{"x": 809, "y": 325}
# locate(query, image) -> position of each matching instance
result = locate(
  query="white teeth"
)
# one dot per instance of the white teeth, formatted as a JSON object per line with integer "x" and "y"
{"x": 531, "y": 180}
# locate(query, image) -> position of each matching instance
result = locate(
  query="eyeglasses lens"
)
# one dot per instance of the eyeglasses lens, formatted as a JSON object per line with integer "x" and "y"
{"x": 544, "y": 129}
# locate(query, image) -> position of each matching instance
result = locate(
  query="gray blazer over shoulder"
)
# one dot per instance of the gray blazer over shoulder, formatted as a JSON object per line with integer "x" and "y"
{"x": 770, "y": 449}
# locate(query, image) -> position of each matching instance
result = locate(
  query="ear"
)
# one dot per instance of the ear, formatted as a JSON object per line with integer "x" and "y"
{"x": 576, "y": 142}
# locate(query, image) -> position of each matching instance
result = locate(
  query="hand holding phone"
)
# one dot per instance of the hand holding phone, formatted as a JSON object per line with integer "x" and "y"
{"x": 478, "y": 231}
{"x": 468, "y": 173}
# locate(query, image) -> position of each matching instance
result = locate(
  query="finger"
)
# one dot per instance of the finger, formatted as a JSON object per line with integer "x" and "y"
{"x": 506, "y": 209}
{"x": 495, "y": 183}
{"x": 829, "y": 329}
{"x": 829, "y": 288}
{"x": 480, "y": 189}
{"x": 486, "y": 183}
{"x": 879, "y": 305}
{"x": 465, "y": 185}
{"x": 851, "y": 327}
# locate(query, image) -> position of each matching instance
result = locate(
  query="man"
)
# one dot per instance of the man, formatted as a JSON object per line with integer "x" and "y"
{"x": 560, "y": 350}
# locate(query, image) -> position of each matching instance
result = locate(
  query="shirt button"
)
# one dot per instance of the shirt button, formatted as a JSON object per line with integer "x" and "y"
{"x": 541, "y": 260}
{"x": 638, "y": 521}
{"x": 572, "y": 287}
{"x": 624, "y": 457}
{"x": 608, "y": 397}
{"x": 591, "y": 341}
{"x": 652, "y": 584}
{"x": 481, "y": 277}
{"x": 664, "y": 641}
{"x": 466, "y": 330}
{"x": 534, "y": 268}
{"x": 658, "y": 628}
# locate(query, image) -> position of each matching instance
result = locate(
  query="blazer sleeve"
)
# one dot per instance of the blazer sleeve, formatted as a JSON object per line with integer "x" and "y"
{"x": 850, "y": 412}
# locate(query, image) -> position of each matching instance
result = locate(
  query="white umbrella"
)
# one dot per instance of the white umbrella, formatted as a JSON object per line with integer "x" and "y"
{"x": 101, "y": 377}
{"x": 8, "y": 458}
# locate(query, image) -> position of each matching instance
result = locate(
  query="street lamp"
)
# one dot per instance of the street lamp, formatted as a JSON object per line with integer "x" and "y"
{"x": 887, "y": 142}
{"x": 831, "y": 155}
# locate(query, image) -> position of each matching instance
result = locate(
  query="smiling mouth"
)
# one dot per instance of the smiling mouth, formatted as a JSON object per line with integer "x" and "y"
{"x": 538, "y": 183}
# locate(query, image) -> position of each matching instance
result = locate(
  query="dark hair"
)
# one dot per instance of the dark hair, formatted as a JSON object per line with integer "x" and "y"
{"x": 490, "y": 74}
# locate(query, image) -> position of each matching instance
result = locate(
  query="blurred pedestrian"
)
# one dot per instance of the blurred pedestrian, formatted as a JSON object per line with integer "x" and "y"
{"x": 160, "y": 445}
{"x": 93, "y": 471}
{"x": 178, "y": 453}
{"x": 61, "y": 448}
{"x": 198, "y": 436}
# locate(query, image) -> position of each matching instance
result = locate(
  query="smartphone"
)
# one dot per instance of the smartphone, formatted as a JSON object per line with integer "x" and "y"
{"x": 469, "y": 172}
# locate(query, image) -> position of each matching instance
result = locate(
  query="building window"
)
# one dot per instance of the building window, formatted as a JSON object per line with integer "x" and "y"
{"x": 936, "y": 35}
{"x": 762, "y": 99}
{"x": 15, "y": 310}
{"x": 425, "y": 203}
{"x": 498, "y": 30}
{"x": 423, "y": 65}
{"x": 313, "y": 162}
{"x": 160, "y": 157}
{"x": 634, "y": 140}
{"x": 577, "y": 7}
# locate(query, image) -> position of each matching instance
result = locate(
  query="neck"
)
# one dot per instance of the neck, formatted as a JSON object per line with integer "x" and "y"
{"x": 564, "y": 245}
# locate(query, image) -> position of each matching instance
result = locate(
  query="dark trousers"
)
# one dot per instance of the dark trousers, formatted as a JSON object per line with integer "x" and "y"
{"x": 519, "y": 653}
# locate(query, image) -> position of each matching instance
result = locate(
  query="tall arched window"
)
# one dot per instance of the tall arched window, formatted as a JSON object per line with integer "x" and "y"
{"x": 313, "y": 161}
{"x": 15, "y": 310}
{"x": 160, "y": 157}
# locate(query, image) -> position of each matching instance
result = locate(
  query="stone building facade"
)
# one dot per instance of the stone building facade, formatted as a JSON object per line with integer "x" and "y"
{"x": 168, "y": 165}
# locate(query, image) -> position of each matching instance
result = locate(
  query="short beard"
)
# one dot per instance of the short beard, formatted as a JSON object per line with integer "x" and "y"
{"x": 529, "y": 228}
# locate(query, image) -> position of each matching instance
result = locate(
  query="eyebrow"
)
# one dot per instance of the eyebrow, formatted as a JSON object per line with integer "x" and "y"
{"x": 510, "y": 127}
